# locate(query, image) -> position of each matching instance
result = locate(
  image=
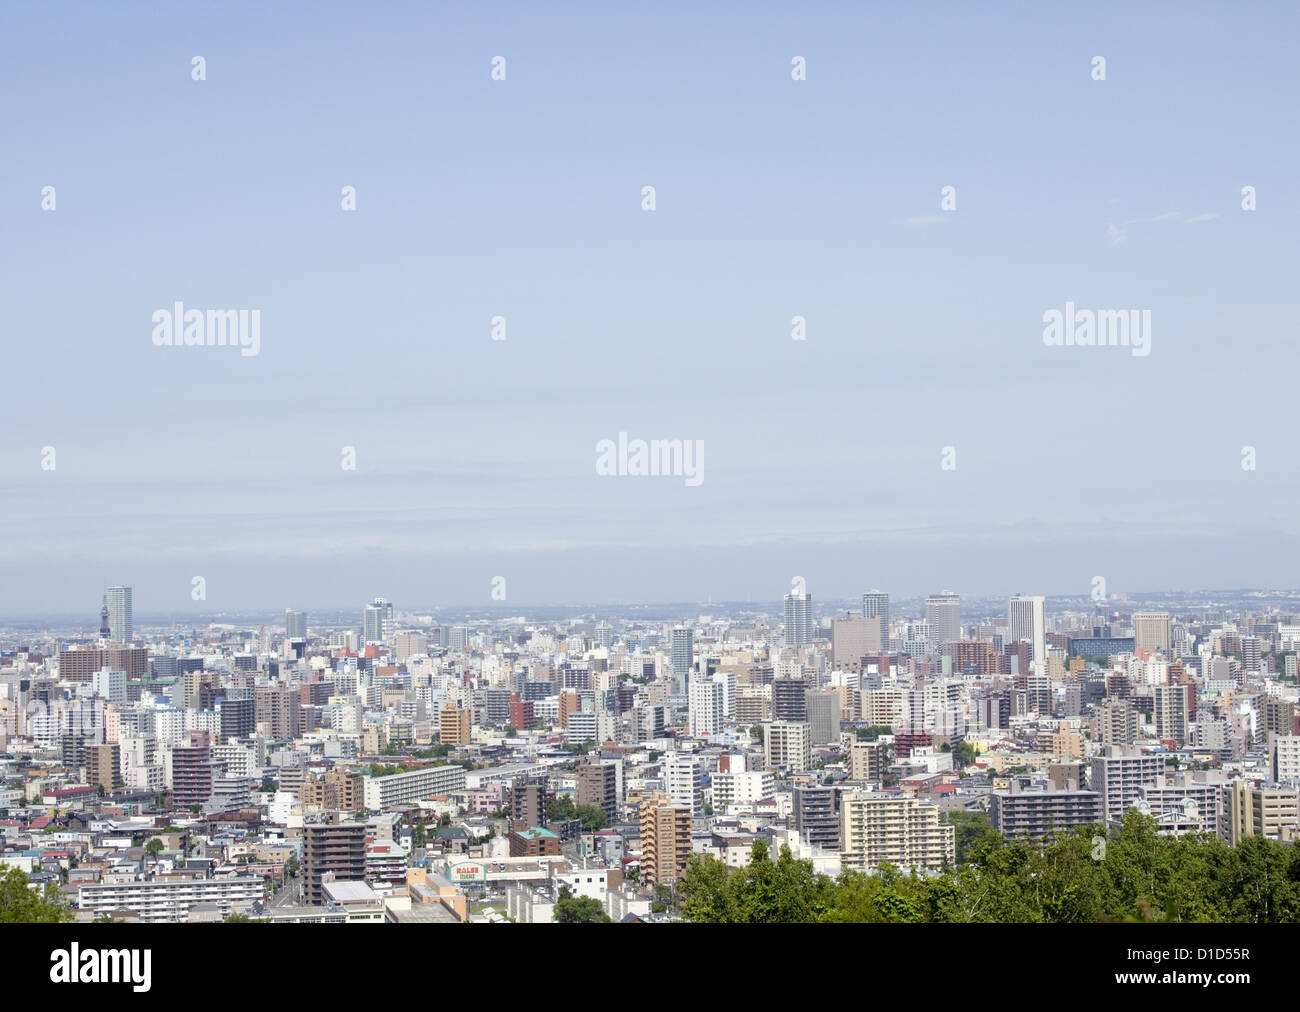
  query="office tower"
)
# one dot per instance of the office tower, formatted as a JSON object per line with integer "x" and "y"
{"x": 943, "y": 615}
{"x": 119, "y": 614}
{"x": 682, "y": 655}
{"x": 817, "y": 816}
{"x": 409, "y": 644}
{"x": 875, "y": 610}
{"x": 1173, "y": 712}
{"x": 823, "y": 716}
{"x": 684, "y": 782}
{"x": 1027, "y": 620}
{"x": 854, "y": 638}
{"x": 665, "y": 839}
{"x": 453, "y": 725}
{"x": 1272, "y": 811}
{"x": 903, "y": 832}
{"x": 377, "y": 621}
{"x": 705, "y": 707}
{"x": 458, "y": 639}
{"x": 787, "y": 744}
{"x": 1151, "y": 630}
{"x": 295, "y": 624}
{"x": 789, "y": 699}
{"x": 798, "y": 619}
{"x": 598, "y": 786}
{"x": 604, "y": 635}
{"x": 338, "y": 849}
{"x": 1119, "y": 774}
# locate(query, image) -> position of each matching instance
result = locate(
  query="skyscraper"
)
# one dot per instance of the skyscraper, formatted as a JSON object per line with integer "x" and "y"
{"x": 875, "y": 608}
{"x": 1151, "y": 630}
{"x": 943, "y": 614}
{"x": 377, "y": 621}
{"x": 295, "y": 624}
{"x": 682, "y": 655}
{"x": 1027, "y": 619}
{"x": 119, "y": 614}
{"x": 798, "y": 619}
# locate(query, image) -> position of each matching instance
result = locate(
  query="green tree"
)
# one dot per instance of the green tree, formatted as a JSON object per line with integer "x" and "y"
{"x": 592, "y": 816}
{"x": 21, "y": 904}
{"x": 570, "y": 909}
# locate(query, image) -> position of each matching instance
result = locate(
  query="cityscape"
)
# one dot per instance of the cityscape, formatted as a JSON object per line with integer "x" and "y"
{"x": 701, "y": 464}
{"x": 466, "y": 768}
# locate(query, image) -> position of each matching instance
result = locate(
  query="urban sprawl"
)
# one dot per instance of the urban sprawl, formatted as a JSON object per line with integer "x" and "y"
{"x": 793, "y": 763}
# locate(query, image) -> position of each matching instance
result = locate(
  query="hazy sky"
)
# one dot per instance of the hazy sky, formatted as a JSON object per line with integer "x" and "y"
{"x": 522, "y": 198}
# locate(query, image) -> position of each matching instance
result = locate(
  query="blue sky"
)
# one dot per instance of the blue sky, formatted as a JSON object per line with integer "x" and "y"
{"x": 522, "y": 198}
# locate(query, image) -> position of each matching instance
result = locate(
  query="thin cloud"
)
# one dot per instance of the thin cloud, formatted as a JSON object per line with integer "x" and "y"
{"x": 932, "y": 219}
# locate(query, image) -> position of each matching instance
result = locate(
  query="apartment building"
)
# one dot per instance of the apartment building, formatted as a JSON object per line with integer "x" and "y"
{"x": 400, "y": 789}
{"x": 338, "y": 848}
{"x": 1037, "y": 814}
{"x": 665, "y": 839}
{"x": 1119, "y": 774}
{"x": 904, "y": 832}
{"x": 1269, "y": 810}
{"x": 170, "y": 900}
{"x": 787, "y": 744}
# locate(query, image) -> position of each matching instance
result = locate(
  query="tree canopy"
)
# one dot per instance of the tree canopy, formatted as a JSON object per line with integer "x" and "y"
{"x": 21, "y": 904}
{"x": 570, "y": 909}
{"x": 1084, "y": 876}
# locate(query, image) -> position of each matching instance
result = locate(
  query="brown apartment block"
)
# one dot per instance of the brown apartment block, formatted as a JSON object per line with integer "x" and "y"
{"x": 337, "y": 790}
{"x": 339, "y": 848}
{"x": 453, "y": 725}
{"x": 81, "y": 663}
{"x": 665, "y": 839}
{"x": 103, "y": 765}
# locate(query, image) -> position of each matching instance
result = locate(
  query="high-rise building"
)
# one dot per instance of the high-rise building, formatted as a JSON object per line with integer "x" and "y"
{"x": 901, "y": 831}
{"x": 682, "y": 656}
{"x": 789, "y": 699}
{"x": 377, "y": 622}
{"x": 798, "y": 619}
{"x": 1119, "y": 774}
{"x": 598, "y": 786}
{"x": 1173, "y": 711}
{"x": 705, "y": 707}
{"x": 665, "y": 839}
{"x": 875, "y": 610}
{"x": 1269, "y": 810}
{"x": 119, "y": 614}
{"x": 684, "y": 782}
{"x": 817, "y": 816}
{"x": 1037, "y": 814}
{"x": 453, "y": 725}
{"x": 823, "y": 709}
{"x": 867, "y": 760}
{"x": 339, "y": 849}
{"x": 1151, "y": 630}
{"x": 1027, "y": 620}
{"x": 787, "y": 744}
{"x": 295, "y": 624}
{"x": 943, "y": 615}
{"x": 527, "y": 803}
